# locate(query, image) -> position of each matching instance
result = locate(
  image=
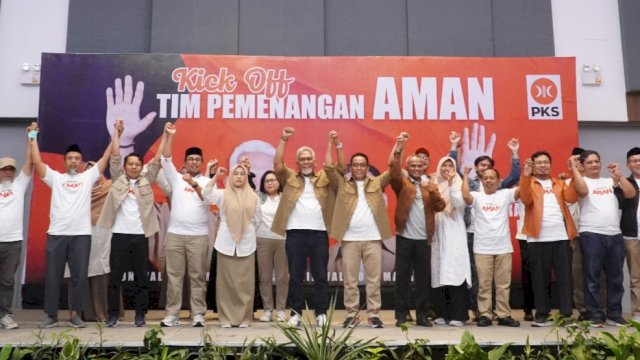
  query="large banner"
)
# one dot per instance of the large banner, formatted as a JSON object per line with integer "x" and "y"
{"x": 232, "y": 106}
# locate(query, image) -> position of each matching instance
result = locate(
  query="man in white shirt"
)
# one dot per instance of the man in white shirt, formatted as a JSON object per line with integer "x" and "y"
{"x": 304, "y": 214}
{"x": 601, "y": 240}
{"x": 69, "y": 233}
{"x": 187, "y": 237}
{"x": 12, "y": 191}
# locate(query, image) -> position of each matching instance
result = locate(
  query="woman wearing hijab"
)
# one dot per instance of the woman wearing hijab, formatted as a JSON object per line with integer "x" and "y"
{"x": 450, "y": 266}
{"x": 235, "y": 245}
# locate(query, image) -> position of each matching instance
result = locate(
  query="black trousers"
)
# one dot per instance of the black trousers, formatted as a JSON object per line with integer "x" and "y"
{"x": 527, "y": 283}
{"x": 545, "y": 257}
{"x": 300, "y": 245}
{"x": 129, "y": 252}
{"x": 450, "y": 302}
{"x": 412, "y": 256}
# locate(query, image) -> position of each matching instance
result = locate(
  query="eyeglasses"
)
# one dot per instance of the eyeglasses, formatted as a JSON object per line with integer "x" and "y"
{"x": 634, "y": 161}
{"x": 194, "y": 158}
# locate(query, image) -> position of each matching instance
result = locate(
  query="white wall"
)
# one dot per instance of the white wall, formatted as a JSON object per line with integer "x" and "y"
{"x": 27, "y": 28}
{"x": 590, "y": 31}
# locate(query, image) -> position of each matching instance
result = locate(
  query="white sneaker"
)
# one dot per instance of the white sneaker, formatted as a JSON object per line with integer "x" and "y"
{"x": 294, "y": 321}
{"x": 198, "y": 321}
{"x": 7, "y": 322}
{"x": 321, "y": 320}
{"x": 225, "y": 326}
{"x": 440, "y": 321}
{"x": 282, "y": 316}
{"x": 636, "y": 318}
{"x": 456, "y": 323}
{"x": 169, "y": 321}
{"x": 266, "y": 317}
{"x": 244, "y": 325}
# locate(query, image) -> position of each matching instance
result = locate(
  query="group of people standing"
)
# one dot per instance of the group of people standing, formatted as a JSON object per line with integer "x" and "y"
{"x": 451, "y": 229}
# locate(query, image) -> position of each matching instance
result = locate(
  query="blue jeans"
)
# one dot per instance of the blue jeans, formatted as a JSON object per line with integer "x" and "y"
{"x": 300, "y": 245}
{"x": 602, "y": 253}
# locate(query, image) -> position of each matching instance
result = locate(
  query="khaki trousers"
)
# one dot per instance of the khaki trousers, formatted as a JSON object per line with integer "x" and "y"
{"x": 272, "y": 256}
{"x": 370, "y": 253}
{"x": 494, "y": 270}
{"x": 186, "y": 253}
{"x": 632, "y": 249}
{"x": 235, "y": 287}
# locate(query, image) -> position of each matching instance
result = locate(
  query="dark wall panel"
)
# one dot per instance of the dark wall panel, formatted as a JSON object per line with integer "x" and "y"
{"x": 450, "y": 28}
{"x": 630, "y": 32}
{"x": 522, "y": 28}
{"x": 114, "y": 26}
{"x": 195, "y": 27}
{"x": 366, "y": 27}
{"x": 281, "y": 27}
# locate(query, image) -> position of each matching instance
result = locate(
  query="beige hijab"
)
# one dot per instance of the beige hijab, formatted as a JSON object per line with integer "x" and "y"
{"x": 239, "y": 205}
{"x": 443, "y": 184}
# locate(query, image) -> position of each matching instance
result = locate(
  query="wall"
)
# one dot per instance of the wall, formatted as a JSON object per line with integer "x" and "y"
{"x": 590, "y": 31}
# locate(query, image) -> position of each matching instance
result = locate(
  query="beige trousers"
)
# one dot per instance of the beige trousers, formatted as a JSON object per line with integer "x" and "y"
{"x": 186, "y": 253}
{"x": 272, "y": 256}
{"x": 494, "y": 270}
{"x": 632, "y": 248}
{"x": 235, "y": 288}
{"x": 370, "y": 253}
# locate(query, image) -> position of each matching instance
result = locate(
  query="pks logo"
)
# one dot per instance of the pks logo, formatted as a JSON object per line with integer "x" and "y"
{"x": 544, "y": 97}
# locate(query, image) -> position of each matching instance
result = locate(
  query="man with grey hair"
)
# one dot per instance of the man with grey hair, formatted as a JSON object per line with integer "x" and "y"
{"x": 12, "y": 190}
{"x": 304, "y": 215}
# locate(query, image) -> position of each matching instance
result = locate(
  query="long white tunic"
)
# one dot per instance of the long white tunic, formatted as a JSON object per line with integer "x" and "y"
{"x": 450, "y": 263}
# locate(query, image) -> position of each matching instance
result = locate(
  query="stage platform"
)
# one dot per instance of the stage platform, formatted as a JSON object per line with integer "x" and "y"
{"x": 125, "y": 335}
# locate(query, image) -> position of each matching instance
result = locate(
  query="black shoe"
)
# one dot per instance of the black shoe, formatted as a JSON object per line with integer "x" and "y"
{"x": 484, "y": 321}
{"x": 400, "y": 323}
{"x": 423, "y": 321}
{"x": 351, "y": 321}
{"x": 583, "y": 316}
{"x": 528, "y": 316}
{"x": 112, "y": 321}
{"x": 508, "y": 321}
{"x": 139, "y": 320}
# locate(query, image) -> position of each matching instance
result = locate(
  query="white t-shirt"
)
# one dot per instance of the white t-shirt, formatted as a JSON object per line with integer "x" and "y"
{"x": 599, "y": 212}
{"x": 189, "y": 214}
{"x": 307, "y": 212}
{"x": 552, "y": 228}
{"x": 128, "y": 215}
{"x": 70, "y": 201}
{"x": 363, "y": 225}
{"x": 268, "y": 210}
{"x": 416, "y": 228}
{"x": 12, "y": 208}
{"x": 492, "y": 233}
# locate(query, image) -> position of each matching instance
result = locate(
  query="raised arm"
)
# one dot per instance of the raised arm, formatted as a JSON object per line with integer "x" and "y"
{"x": 581, "y": 186}
{"x": 525, "y": 183}
{"x": 466, "y": 190}
{"x": 619, "y": 180}
{"x": 514, "y": 175}
{"x": 104, "y": 160}
{"x": 36, "y": 159}
{"x": 342, "y": 165}
{"x": 207, "y": 193}
{"x": 395, "y": 158}
{"x": 278, "y": 159}
{"x": 27, "y": 168}
{"x": 115, "y": 167}
{"x": 333, "y": 139}
{"x": 170, "y": 132}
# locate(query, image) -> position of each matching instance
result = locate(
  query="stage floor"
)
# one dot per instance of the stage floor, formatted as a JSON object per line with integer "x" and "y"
{"x": 126, "y": 335}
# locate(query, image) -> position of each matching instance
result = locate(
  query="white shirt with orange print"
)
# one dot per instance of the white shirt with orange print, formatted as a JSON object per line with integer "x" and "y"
{"x": 599, "y": 212}
{"x": 189, "y": 214}
{"x": 492, "y": 233}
